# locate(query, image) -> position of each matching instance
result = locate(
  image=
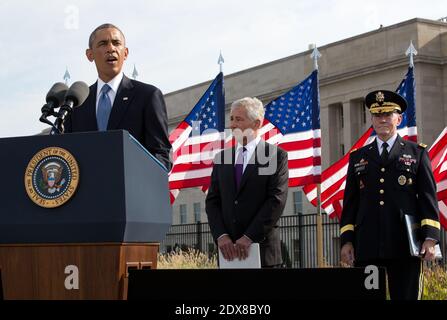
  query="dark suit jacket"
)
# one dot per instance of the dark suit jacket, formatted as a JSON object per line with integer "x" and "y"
{"x": 378, "y": 194}
{"x": 138, "y": 108}
{"x": 254, "y": 209}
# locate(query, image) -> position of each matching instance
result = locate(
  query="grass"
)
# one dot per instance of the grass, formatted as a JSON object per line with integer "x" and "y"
{"x": 191, "y": 259}
{"x": 435, "y": 283}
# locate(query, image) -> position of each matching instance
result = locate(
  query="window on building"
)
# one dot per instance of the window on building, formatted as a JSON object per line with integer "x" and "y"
{"x": 341, "y": 118}
{"x": 298, "y": 202}
{"x": 336, "y": 131}
{"x": 197, "y": 211}
{"x": 363, "y": 110}
{"x": 183, "y": 214}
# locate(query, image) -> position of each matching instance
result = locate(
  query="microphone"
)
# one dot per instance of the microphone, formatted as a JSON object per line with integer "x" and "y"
{"x": 54, "y": 99}
{"x": 74, "y": 97}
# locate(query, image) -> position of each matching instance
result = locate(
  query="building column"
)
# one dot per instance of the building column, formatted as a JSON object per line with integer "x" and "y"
{"x": 325, "y": 137}
{"x": 347, "y": 124}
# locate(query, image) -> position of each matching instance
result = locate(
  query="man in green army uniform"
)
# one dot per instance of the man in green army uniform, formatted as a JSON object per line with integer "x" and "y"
{"x": 386, "y": 180}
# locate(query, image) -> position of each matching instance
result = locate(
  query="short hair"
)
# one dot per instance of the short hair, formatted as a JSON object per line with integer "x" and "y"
{"x": 254, "y": 107}
{"x": 103, "y": 26}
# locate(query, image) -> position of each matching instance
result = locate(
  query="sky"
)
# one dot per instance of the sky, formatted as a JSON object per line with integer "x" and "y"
{"x": 174, "y": 44}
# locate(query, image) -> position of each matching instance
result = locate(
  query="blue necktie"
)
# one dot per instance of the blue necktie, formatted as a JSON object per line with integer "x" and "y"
{"x": 104, "y": 108}
{"x": 239, "y": 167}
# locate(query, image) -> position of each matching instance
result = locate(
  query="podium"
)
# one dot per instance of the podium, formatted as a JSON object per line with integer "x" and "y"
{"x": 117, "y": 213}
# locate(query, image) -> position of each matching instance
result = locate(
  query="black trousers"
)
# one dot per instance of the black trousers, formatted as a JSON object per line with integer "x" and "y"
{"x": 405, "y": 276}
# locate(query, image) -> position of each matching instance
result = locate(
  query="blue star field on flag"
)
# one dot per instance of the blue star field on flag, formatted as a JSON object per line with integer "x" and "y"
{"x": 209, "y": 112}
{"x": 406, "y": 90}
{"x": 298, "y": 109}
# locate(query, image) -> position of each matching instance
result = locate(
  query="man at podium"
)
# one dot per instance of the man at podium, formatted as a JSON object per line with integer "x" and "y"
{"x": 117, "y": 102}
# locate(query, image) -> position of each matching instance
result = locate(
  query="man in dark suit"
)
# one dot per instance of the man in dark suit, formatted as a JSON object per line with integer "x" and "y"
{"x": 248, "y": 189}
{"x": 387, "y": 179}
{"x": 116, "y": 102}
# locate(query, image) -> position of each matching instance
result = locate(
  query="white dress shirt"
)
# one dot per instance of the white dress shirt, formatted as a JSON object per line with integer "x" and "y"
{"x": 390, "y": 143}
{"x": 250, "y": 150}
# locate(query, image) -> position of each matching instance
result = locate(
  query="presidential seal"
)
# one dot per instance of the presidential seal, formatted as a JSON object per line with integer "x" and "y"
{"x": 51, "y": 177}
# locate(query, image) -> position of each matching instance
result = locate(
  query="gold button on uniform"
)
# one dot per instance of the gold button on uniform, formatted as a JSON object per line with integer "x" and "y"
{"x": 383, "y": 169}
{"x": 382, "y": 203}
{"x": 382, "y": 191}
{"x": 382, "y": 180}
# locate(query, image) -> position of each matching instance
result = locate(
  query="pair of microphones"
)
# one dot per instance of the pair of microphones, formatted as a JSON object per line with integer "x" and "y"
{"x": 61, "y": 97}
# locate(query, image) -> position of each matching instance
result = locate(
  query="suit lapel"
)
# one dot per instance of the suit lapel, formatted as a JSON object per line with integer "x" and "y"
{"x": 229, "y": 172}
{"x": 252, "y": 165}
{"x": 122, "y": 100}
{"x": 90, "y": 123}
{"x": 373, "y": 152}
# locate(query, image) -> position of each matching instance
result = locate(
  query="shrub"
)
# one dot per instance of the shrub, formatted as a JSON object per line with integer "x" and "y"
{"x": 435, "y": 283}
{"x": 190, "y": 259}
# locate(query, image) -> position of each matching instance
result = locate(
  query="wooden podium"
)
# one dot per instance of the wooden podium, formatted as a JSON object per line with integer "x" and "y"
{"x": 83, "y": 249}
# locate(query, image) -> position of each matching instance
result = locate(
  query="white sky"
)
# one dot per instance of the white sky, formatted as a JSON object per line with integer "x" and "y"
{"x": 174, "y": 43}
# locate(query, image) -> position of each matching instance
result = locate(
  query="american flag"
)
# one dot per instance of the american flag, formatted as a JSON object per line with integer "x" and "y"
{"x": 292, "y": 121}
{"x": 333, "y": 179}
{"x": 438, "y": 157}
{"x": 197, "y": 139}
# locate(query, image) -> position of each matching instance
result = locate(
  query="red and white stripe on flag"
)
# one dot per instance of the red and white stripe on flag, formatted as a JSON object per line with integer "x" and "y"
{"x": 438, "y": 157}
{"x": 303, "y": 149}
{"x": 333, "y": 181}
{"x": 193, "y": 158}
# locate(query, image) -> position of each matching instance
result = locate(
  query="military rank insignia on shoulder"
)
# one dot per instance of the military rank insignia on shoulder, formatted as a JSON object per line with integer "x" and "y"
{"x": 422, "y": 145}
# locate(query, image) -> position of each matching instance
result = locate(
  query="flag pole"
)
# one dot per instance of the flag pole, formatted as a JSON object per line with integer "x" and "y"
{"x": 320, "y": 254}
{"x": 220, "y": 61}
{"x": 66, "y": 76}
{"x": 411, "y": 51}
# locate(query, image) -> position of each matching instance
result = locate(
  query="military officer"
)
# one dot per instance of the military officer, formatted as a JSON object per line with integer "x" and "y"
{"x": 387, "y": 179}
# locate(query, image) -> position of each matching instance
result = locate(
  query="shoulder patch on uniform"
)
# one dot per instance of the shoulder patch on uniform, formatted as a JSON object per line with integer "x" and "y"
{"x": 353, "y": 150}
{"x": 422, "y": 145}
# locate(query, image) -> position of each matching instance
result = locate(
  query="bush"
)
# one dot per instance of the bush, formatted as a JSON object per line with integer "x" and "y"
{"x": 435, "y": 283}
{"x": 190, "y": 259}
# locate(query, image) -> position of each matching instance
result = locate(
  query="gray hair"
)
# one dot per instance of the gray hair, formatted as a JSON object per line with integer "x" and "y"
{"x": 103, "y": 26}
{"x": 254, "y": 107}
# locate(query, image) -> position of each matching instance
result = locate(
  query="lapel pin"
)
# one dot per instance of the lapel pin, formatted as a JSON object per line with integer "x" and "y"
{"x": 125, "y": 98}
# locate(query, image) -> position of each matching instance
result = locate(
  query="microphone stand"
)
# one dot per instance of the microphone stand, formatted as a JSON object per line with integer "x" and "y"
{"x": 46, "y": 112}
{"x": 64, "y": 111}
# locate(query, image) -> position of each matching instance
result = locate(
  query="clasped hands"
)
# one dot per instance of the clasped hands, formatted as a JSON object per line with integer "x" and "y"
{"x": 231, "y": 250}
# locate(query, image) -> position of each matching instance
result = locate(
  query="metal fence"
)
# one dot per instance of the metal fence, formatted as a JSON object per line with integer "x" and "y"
{"x": 298, "y": 240}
